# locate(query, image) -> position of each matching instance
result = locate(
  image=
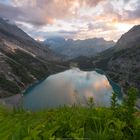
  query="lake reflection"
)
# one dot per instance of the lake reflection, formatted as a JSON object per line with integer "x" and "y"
{"x": 69, "y": 87}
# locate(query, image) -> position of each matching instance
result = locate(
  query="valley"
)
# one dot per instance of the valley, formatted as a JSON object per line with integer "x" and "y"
{"x": 21, "y": 66}
{"x": 69, "y": 70}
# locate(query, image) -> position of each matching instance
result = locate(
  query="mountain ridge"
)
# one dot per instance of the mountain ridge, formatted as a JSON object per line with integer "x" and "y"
{"x": 130, "y": 38}
{"x": 23, "y": 61}
{"x": 11, "y": 31}
{"x": 75, "y": 48}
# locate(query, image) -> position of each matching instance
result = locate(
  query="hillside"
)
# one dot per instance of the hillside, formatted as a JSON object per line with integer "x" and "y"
{"x": 22, "y": 60}
{"x": 124, "y": 65}
{"x": 75, "y": 48}
{"x": 11, "y": 35}
{"x": 119, "y": 122}
{"x": 129, "y": 39}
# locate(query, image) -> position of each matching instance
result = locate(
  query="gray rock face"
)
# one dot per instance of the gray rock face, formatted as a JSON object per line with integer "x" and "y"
{"x": 124, "y": 65}
{"x": 22, "y": 60}
{"x": 12, "y": 35}
{"x": 130, "y": 38}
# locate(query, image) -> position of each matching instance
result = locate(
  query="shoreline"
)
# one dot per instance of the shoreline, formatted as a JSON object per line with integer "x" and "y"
{"x": 16, "y": 100}
{"x": 12, "y": 101}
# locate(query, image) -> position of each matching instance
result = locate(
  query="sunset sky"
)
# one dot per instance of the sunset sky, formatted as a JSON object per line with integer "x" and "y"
{"x": 77, "y": 19}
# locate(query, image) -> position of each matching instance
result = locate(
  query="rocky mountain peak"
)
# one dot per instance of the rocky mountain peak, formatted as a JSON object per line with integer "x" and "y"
{"x": 11, "y": 30}
{"x": 135, "y": 28}
{"x": 15, "y": 37}
{"x": 130, "y": 38}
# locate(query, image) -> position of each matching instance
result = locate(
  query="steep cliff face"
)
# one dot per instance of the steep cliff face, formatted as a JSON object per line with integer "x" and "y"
{"x": 11, "y": 35}
{"x": 129, "y": 39}
{"x": 22, "y": 60}
{"x": 124, "y": 65}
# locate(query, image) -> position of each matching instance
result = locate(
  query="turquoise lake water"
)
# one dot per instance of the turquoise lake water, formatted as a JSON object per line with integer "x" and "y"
{"x": 71, "y": 87}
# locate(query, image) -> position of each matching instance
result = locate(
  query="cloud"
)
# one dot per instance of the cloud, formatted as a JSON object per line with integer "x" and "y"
{"x": 92, "y": 2}
{"x": 18, "y": 14}
{"x": 67, "y": 32}
{"x": 122, "y": 14}
{"x": 134, "y": 14}
{"x": 102, "y": 26}
{"x": 10, "y": 12}
{"x": 42, "y": 12}
{"x": 71, "y": 18}
{"x": 44, "y": 35}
